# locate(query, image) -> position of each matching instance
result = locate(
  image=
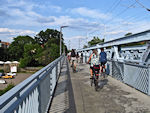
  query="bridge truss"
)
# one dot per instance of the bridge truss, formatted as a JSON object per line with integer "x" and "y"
{"x": 128, "y": 59}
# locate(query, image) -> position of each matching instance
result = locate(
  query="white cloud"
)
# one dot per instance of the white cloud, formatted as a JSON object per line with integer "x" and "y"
{"x": 56, "y": 8}
{"x": 91, "y": 13}
{"x": 7, "y": 31}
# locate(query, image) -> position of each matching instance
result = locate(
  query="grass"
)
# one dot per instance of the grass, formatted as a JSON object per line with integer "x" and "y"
{"x": 10, "y": 86}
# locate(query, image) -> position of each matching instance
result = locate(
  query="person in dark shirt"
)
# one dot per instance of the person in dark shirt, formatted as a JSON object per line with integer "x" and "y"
{"x": 103, "y": 58}
{"x": 81, "y": 58}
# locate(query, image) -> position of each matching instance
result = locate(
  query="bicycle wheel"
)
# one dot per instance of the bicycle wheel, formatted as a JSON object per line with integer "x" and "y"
{"x": 96, "y": 83}
{"x": 73, "y": 67}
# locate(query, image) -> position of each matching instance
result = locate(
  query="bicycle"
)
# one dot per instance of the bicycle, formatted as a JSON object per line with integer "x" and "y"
{"x": 73, "y": 67}
{"x": 95, "y": 78}
{"x": 103, "y": 71}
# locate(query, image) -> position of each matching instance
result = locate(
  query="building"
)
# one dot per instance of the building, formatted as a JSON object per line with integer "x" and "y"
{"x": 4, "y": 44}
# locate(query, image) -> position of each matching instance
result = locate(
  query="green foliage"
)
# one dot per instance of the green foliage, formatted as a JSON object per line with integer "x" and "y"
{"x": 16, "y": 49}
{"x": 10, "y": 86}
{"x": 54, "y": 52}
{"x": 85, "y": 46}
{"x": 4, "y": 55}
{"x": 31, "y": 54}
{"x": 95, "y": 41}
{"x": 36, "y": 52}
{"x": 1, "y": 71}
{"x": 50, "y": 53}
{"x": 128, "y": 34}
{"x": 50, "y": 40}
{"x": 43, "y": 37}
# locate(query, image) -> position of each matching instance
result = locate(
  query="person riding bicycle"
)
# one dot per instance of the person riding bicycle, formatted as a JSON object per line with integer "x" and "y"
{"x": 77, "y": 57}
{"x": 69, "y": 56}
{"x": 93, "y": 60}
{"x": 73, "y": 58}
{"x": 81, "y": 58}
{"x": 103, "y": 59}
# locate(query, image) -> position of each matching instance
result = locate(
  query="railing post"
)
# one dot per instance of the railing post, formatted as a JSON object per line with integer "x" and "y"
{"x": 149, "y": 81}
{"x": 57, "y": 71}
{"x": 39, "y": 98}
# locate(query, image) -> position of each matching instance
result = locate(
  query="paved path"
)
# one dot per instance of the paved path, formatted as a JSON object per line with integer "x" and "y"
{"x": 76, "y": 95}
{"x": 112, "y": 97}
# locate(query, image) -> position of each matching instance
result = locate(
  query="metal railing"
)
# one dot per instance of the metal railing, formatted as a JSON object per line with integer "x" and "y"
{"x": 135, "y": 75}
{"x": 34, "y": 94}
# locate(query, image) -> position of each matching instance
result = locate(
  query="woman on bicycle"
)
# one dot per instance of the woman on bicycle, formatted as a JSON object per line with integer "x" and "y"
{"x": 73, "y": 59}
{"x": 93, "y": 60}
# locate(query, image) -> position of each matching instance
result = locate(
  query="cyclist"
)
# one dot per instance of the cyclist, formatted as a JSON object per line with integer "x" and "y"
{"x": 73, "y": 58}
{"x": 103, "y": 59}
{"x": 69, "y": 56}
{"x": 93, "y": 60}
{"x": 81, "y": 58}
{"x": 77, "y": 57}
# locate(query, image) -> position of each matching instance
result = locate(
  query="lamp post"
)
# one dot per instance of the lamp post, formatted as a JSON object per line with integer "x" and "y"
{"x": 61, "y": 36}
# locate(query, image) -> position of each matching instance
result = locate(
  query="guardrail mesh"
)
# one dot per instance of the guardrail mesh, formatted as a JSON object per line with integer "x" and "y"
{"x": 33, "y": 95}
{"x": 137, "y": 76}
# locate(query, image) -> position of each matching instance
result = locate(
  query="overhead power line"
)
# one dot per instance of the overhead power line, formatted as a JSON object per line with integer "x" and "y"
{"x": 137, "y": 1}
{"x": 114, "y": 6}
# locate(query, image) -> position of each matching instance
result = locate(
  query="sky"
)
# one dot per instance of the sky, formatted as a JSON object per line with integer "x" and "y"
{"x": 108, "y": 19}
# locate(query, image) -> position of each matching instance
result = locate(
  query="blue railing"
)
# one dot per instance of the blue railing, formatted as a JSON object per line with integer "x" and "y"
{"x": 34, "y": 94}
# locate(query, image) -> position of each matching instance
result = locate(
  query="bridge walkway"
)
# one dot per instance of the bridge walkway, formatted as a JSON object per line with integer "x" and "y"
{"x": 112, "y": 96}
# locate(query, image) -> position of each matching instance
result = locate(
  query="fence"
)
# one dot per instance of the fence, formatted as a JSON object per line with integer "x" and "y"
{"x": 34, "y": 94}
{"x": 135, "y": 75}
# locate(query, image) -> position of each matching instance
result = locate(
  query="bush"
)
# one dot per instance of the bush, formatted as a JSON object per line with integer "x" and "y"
{"x": 10, "y": 86}
{"x": 1, "y": 71}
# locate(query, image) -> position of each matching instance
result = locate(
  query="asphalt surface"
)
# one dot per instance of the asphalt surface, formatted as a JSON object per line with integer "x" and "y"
{"x": 111, "y": 97}
{"x": 75, "y": 95}
{"x": 18, "y": 79}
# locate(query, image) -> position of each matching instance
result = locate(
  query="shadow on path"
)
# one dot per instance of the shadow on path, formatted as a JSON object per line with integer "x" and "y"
{"x": 102, "y": 83}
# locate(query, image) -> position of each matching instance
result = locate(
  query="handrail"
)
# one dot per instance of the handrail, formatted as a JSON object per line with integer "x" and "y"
{"x": 15, "y": 92}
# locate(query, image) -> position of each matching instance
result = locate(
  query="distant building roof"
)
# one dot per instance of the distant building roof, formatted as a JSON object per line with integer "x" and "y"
{"x": 6, "y": 43}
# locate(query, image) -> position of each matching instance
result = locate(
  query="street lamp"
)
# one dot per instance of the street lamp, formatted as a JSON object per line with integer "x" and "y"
{"x": 61, "y": 36}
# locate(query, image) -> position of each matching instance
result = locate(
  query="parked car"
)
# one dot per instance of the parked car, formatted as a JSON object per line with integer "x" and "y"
{"x": 2, "y": 82}
{"x": 13, "y": 74}
{"x": 8, "y": 76}
{"x": 2, "y": 74}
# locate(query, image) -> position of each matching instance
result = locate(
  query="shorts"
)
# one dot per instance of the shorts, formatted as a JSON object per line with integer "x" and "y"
{"x": 103, "y": 63}
{"x": 73, "y": 58}
{"x": 91, "y": 67}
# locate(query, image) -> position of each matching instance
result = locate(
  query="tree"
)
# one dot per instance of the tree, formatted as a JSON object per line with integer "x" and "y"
{"x": 128, "y": 34}
{"x": 43, "y": 37}
{"x": 4, "y": 55}
{"x": 85, "y": 46}
{"x": 31, "y": 54}
{"x": 50, "y": 53}
{"x": 95, "y": 41}
{"x": 16, "y": 49}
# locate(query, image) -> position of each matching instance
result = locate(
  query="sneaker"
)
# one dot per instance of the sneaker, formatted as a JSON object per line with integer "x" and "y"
{"x": 91, "y": 77}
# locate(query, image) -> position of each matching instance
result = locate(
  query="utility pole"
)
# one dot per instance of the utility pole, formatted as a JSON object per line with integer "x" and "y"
{"x": 61, "y": 37}
{"x": 69, "y": 45}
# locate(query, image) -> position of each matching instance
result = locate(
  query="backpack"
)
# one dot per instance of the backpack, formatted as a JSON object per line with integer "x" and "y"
{"x": 73, "y": 54}
{"x": 103, "y": 57}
